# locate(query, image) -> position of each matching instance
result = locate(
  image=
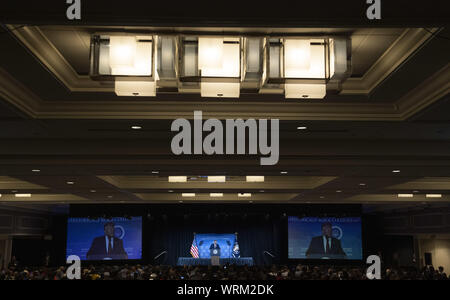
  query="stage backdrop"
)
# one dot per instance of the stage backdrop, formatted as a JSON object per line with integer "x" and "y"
{"x": 225, "y": 241}
{"x": 175, "y": 235}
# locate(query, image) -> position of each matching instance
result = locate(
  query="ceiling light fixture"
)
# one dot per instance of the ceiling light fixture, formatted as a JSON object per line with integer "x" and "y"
{"x": 433, "y": 195}
{"x": 35, "y": 170}
{"x": 244, "y": 195}
{"x": 177, "y": 179}
{"x": 405, "y": 195}
{"x": 126, "y": 59}
{"x": 219, "y": 64}
{"x": 306, "y": 65}
{"x": 216, "y": 195}
{"x": 216, "y": 178}
{"x": 302, "y": 128}
{"x": 70, "y": 182}
{"x": 188, "y": 194}
{"x": 254, "y": 178}
{"x": 23, "y": 195}
{"x": 283, "y": 172}
{"x": 395, "y": 171}
{"x": 136, "y": 127}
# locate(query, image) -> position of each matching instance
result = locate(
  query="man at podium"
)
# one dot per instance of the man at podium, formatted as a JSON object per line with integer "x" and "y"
{"x": 214, "y": 249}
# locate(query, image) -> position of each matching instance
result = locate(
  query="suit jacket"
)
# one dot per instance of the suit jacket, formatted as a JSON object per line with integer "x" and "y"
{"x": 317, "y": 247}
{"x": 212, "y": 247}
{"x": 98, "y": 249}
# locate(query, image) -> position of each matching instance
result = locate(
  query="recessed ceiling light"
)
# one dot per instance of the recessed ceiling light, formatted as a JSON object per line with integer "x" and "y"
{"x": 136, "y": 127}
{"x": 302, "y": 127}
{"x": 216, "y": 178}
{"x": 362, "y": 184}
{"x": 254, "y": 178}
{"x": 170, "y": 191}
{"x": 216, "y": 195}
{"x": 405, "y": 195}
{"x": 188, "y": 194}
{"x": 261, "y": 191}
{"x": 70, "y": 182}
{"x": 283, "y": 172}
{"x": 181, "y": 201}
{"x": 35, "y": 170}
{"x": 155, "y": 172}
{"x": 415, "y": 192}
{"x": 23, "y": 195}
{"x": 322, "y": 197}
{"x": 93, "y": 191}
{"x": 434, "y": 196}
{"x": 395, "y": 171}
{"x": 244, "y": 195}
{"x": 338, "y": 191}
{"x": 175, "y": 179}
{"x": 13, "y": 191}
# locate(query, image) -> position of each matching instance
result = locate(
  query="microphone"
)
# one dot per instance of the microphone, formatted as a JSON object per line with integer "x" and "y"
{"x": 268, "y": 253}
{"x": 157, "y": 256}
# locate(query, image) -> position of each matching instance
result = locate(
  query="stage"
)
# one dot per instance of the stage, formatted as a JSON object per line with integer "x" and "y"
{"x": 190, "y": 261}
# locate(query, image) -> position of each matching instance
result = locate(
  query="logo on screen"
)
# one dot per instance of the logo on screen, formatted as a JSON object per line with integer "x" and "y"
{"x": 119, "y": 232}
{"x": 336, "y": 232}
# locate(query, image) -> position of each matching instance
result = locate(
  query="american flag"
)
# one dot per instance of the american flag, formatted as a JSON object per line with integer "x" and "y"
{"x": 194, "y": 249}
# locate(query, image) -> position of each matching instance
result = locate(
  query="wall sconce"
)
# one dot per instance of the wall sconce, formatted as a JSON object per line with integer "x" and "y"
{"x": 126, "y": 59}
{"x": 212, "y": 64}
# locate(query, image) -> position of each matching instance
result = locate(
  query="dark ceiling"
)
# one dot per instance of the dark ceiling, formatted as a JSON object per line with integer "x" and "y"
{"x": 360, "y": 154}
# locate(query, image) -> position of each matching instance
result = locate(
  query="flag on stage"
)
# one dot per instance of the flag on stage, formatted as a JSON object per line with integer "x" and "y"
{"x": 194, "y": 249}
{"x": 236, "y": 253}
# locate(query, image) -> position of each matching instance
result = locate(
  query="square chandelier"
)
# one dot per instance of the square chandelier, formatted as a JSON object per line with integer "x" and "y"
{"x": 220, "y": 66}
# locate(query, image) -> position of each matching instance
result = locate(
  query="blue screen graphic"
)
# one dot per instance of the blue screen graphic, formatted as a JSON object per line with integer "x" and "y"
{"x": 88, "y": 238}
{"x": 205, "y": 240}
{"x": 308, "y": 238}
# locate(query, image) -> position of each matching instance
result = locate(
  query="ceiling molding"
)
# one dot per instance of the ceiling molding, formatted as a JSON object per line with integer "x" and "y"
{"x": 37, "y": 42}
{"x": 431, "y": 90}
{"x": 405, "y": 45}
{"x": 428, "y": 92}
{"x": 18, "y": 95}
{"x": 41, "y": 47}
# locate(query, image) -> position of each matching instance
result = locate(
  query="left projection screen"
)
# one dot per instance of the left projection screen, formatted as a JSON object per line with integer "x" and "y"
{"x": 104, "y": 239}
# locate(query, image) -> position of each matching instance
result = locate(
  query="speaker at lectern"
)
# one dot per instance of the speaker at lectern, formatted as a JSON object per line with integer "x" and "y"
{"x": 214, "y": 251}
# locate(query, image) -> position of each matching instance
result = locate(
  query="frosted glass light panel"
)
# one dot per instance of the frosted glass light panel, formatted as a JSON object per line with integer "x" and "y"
{"x": 130, "y": 56}
{"x": 305, "y": 91}
{"x": 304, "y": 58}
{"x": 219, "y": 58}
{"x": 220, "y": 89}
{"x": 125, "y": 55}
{"x": 135, "y": 88}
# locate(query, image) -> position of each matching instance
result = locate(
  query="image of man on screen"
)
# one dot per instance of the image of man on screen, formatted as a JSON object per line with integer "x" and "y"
{"x": 214, "y": 249}
{"x": 107, "y": 246}
{"x": 325, "y": 245}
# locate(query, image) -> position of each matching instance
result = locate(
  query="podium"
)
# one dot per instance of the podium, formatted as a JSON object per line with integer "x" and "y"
{"x": 215, "y": 257}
